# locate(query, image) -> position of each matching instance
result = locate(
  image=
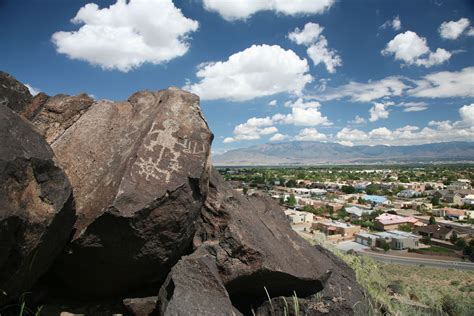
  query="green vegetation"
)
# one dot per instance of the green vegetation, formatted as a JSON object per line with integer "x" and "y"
{"x": 437, "y": 249}
{"x": 290, "y": 175}
{"x": 412, "y": 290}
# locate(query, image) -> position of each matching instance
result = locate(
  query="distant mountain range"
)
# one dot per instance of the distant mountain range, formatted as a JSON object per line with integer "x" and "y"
{"x": 319, "y": 153}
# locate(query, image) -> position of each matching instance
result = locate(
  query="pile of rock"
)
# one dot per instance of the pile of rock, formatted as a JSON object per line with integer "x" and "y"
{"x": 114, "y": 207}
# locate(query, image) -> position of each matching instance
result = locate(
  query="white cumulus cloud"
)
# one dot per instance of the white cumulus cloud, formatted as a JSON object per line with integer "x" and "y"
{"x": 272, "y": 103}
{"x": 445, "y": 84}
{"x": 278, "y": 137}
{"x": 243, "y": 9}
{"x": 260, "y": 70}
{"x": 318, "y": 49}
{"x": 394, "y": 23}
{"x": 366, "y": 92}
{"x": 453, "y": 29}
{"x": 436, "y": 131}
{"x": 413, "y": 50}
{"x": 358, "y": 120}
{"x": 308, "y": 35}
{"x": 379, "y": 111}
{"x": 127, "y": 34}
{"x": 413, "y": 106}
{"x": 310, "y": 134}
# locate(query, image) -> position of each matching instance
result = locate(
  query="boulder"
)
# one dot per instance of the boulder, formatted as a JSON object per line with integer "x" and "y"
{"x": 139, "y": 171}
{"x": 256, "y": 249}
{"x": 140, "y": 306}
{"x": 194, "y": 287}
{"x": 13, "y": 93}
{"x": 36, "y": 206}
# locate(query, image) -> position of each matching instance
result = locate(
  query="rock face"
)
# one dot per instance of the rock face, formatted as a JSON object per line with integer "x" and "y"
{"x": 52, "y": 116}
{"x": 139, "y": 171}
{"x": 36, "y": 206}
{"x": 194, "y": 287}
{"x": 255, "y": 248}
{"x": 157, "y": 223}
{"x": 13, "y": 93}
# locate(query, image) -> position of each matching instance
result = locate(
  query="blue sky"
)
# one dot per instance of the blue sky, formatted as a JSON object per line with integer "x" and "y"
{"x": 353, "y": 72}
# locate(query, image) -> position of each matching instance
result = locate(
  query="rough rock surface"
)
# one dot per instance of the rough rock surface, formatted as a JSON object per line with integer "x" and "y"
{"x": 52, "y": 116}
{"x": 13, "y": 93}
{"x": 140, "y": 306}
{"x": 36, "y": 207}
{"x": 154, "y": 218}
{"x": 139, "y": 171}
{"x": 255, "y": 247}
{"x": 194, "y": 287}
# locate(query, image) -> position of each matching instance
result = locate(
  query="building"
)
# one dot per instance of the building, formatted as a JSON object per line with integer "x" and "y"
{"x": 396, "y": 240}
{"x": 449, "y": 196}
{"x": 297, "y": 217}
{"x": 460, "y": 184}
{"x": 377, "y": 199}
{"x": 408, "y": 194}
{"x": 357, "y": 212}
{"x": 436, "y": 231}
{"x": 331, "y": 227}
{"x": 468, "y": 199}
{"x": 366, "y": 239}
{"x": 451, "y": 213}
{"x": 415, "y": 186}
{"x": 387, "y": 221}
{"x": 399, "y": 240}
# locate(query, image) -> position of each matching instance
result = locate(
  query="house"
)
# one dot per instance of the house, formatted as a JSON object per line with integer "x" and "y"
{"x": 297, "y": 217}
{"x": 376, "y": 199}
{"x": 356, "y": 212}
{"x": 460, "y": 184}
{"x": 449, "y": 196}
{"x": 408, "y": 194}
{"x": 415, "y": 186}
{"x": 468, "y": 199}
{"x": 436, "y": 231}
{"x": 331, "y": 227}
{"x": 387, "y": 221}
{"x": 451, "y": 213}
{"x": 397, "y": 240}
{"x": 366, "y": 239}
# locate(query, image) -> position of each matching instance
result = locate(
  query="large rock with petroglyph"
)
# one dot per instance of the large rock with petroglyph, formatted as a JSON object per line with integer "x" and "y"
{"x": 139, "y": 171}
{"x": 36, "y": 206}
{"x": 157, "y": 224}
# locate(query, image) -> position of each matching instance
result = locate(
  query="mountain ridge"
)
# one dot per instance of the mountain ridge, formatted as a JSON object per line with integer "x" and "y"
{"x": 324, "y": 153}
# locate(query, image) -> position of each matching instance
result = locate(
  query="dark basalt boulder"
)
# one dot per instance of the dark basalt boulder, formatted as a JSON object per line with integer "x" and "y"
{"x": 36, "y": 206}
{"x": 140, "y": 306}
{"x": 255, "y": 248}
{"x": 157, "y": 228}
{"x": 139, "y": 172}
{"x": 13, "y": 93}
{"x": 194, "y": 287}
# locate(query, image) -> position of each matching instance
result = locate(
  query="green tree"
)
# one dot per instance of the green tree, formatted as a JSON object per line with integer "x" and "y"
{"x": 291, "y": 200}
{"x": 385, "y": 247}
{"x": 405, "y": 227}
{"x": 291, "y": 184}
{"x": 245, "y": 190}
{"x": 371, "y": 189}
{"x": 432, "y": 220}
{"x": 453, "y": 238}
{"x": 348, "y": 189}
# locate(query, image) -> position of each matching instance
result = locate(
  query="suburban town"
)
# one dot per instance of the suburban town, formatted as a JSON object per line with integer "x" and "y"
{"x": 381, "y": 213}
